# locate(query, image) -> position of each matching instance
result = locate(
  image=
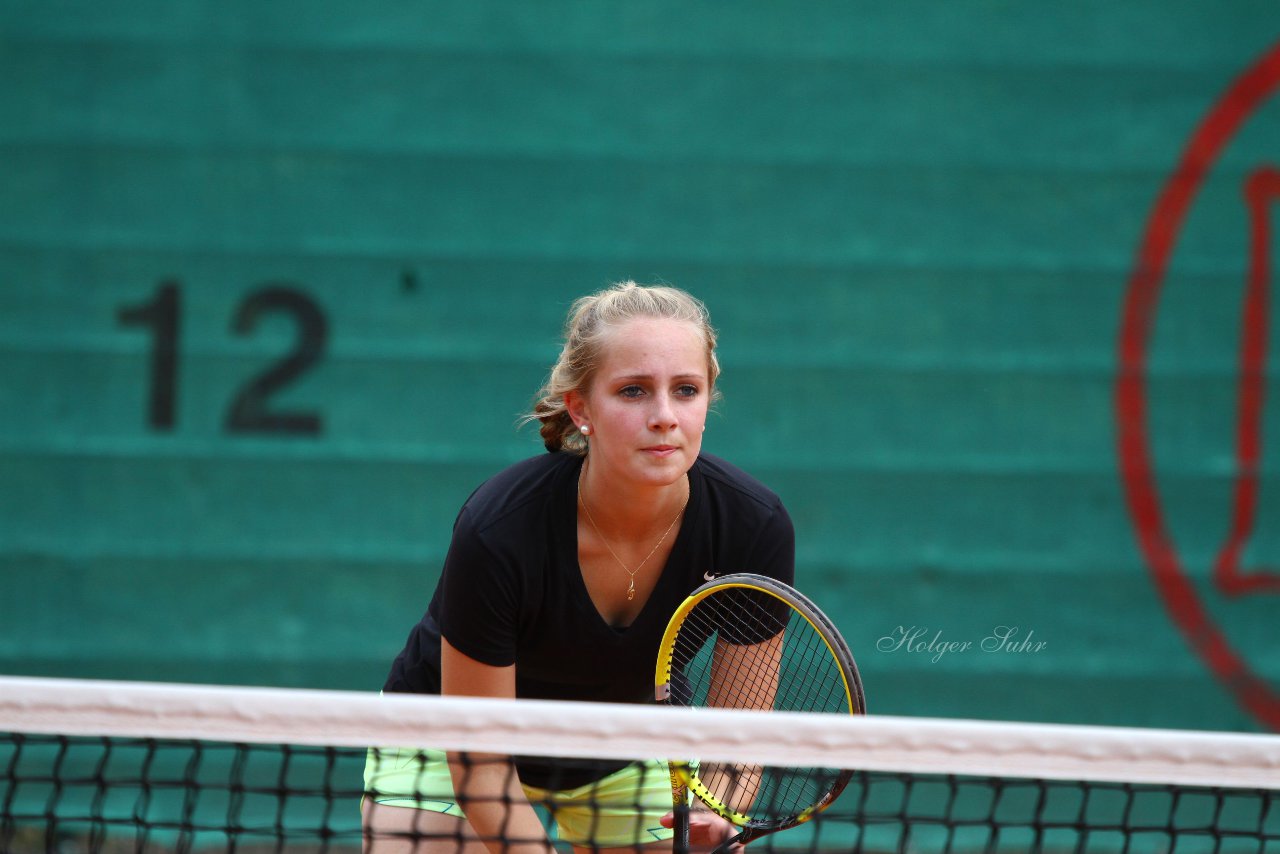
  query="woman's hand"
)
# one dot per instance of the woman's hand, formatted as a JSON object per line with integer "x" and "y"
{"x": 707, "y": 830}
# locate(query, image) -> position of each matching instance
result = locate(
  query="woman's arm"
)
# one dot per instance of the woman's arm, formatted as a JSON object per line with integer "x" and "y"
{"x": 486, "y": 784}
{"x": 743, "y": 676}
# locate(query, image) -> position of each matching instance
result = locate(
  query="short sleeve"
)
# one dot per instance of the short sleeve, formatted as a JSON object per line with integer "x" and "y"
{"x": 480, "y": 596}
{"x": 773, "y": 553}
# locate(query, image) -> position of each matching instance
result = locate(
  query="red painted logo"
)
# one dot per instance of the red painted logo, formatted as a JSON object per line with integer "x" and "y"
{"x": 1231, "y": 577}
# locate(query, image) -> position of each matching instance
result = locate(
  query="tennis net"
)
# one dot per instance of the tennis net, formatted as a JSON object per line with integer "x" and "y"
{"x": 113, "y": 767}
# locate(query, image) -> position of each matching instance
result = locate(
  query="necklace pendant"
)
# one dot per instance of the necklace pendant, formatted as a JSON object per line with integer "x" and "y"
{"x": 631, "y": 590}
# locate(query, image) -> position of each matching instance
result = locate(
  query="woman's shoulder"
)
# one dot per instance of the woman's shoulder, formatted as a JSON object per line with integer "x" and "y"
{"x": 733, "y": 483}
{"x": 523, "y": 486}
{"x": 747, "y": 523}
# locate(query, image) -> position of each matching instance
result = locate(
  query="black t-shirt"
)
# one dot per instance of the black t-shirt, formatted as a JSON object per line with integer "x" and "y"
{"x": 511, "y": 591}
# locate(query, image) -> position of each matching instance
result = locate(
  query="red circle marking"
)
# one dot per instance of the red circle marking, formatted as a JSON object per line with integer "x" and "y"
{"x": 1176, "y": 589}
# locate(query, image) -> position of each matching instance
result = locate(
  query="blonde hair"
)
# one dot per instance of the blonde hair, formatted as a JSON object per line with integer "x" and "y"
{"x": 590, "y": 320}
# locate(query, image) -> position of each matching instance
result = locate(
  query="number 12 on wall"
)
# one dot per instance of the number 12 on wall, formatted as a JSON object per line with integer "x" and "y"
{"x": 249, "y": 410}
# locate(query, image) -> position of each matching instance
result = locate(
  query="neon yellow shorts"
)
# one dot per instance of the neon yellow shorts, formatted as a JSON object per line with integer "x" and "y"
{"x": 622, "y": 809}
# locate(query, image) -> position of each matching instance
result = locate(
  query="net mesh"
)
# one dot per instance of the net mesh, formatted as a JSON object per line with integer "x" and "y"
{"x": 117, "y": 794}
{"x": 244, "y": 787}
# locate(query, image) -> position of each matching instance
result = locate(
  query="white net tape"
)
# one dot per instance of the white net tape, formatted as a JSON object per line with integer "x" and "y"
{"x": 872, "y": 743}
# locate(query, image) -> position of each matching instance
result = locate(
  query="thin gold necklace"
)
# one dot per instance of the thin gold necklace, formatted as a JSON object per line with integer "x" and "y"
{"x": 631, "y": 573}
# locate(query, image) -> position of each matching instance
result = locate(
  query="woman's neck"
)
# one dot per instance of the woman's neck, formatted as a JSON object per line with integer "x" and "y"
{"x": 627, "y": 510}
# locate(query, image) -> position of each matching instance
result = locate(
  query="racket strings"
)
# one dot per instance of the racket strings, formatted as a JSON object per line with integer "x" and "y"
{"x": 822, "y": 686}
{"x": 743, "y": 648}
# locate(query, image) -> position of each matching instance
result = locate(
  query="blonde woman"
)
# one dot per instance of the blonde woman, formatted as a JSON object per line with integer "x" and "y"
{"x": 561, "y": 576}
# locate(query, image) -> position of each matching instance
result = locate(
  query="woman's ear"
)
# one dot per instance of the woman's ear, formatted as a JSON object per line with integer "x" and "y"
{"x": 575, "y": 402}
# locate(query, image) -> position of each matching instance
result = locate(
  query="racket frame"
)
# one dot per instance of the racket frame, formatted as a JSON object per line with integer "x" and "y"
{"x": 684, "y": 777}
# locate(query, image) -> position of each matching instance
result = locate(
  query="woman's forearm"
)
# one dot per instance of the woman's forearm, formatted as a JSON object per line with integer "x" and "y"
{"x": 490, "y": 794}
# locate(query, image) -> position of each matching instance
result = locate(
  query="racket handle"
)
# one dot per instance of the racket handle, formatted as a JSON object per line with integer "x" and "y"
{"x": 680, "y": 825}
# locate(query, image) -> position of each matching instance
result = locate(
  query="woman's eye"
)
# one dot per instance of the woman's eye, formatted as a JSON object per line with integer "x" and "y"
{"x": 687, "y": 391}
{"x": 631, "y": 391}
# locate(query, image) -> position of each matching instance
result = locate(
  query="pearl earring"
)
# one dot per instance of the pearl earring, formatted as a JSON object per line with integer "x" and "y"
{"x": 585, "y": 429}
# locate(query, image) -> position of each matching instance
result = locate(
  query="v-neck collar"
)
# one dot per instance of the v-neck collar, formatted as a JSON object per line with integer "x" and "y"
{"x": 568, "y": 523}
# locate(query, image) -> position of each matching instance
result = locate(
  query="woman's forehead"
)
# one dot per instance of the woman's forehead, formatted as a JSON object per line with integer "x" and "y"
{"x": 675, "y": 346}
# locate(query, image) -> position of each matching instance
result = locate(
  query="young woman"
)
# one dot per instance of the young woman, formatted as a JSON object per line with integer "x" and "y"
{"x": 560, "y": 578}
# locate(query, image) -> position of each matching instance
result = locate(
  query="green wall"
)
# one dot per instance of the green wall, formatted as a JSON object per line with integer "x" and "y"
{"x": 916, "y": 225}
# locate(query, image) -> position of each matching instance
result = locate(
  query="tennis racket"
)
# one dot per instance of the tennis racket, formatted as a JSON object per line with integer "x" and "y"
{"x": 749, "y": 642}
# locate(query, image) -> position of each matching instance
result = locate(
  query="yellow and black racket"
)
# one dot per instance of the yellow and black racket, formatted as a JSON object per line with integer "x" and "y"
{"x": 749, "y": 642}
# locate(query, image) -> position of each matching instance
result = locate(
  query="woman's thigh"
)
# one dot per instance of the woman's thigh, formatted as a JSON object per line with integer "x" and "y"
{"x": 655, "y": 847}
{"x": 407, "y": 830}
